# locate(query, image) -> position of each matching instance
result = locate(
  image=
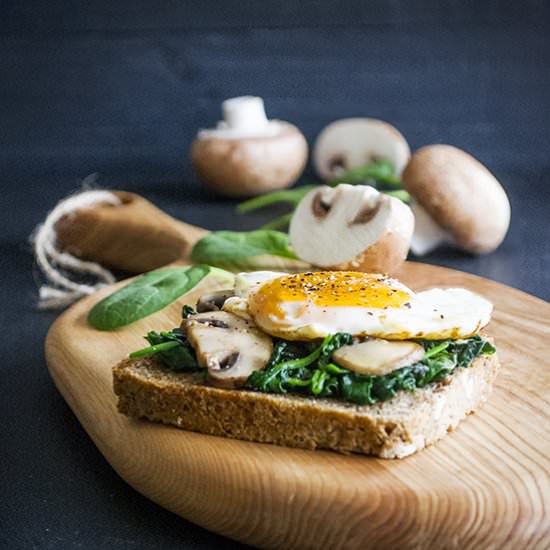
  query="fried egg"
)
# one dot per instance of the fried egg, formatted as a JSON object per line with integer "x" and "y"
{"x": 307, "y": 306}
{"x": 245, "y": 285}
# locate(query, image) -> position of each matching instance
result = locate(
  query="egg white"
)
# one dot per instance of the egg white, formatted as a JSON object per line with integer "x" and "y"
{"x": 432, "y": 314}
{"x": 245, "y": 284}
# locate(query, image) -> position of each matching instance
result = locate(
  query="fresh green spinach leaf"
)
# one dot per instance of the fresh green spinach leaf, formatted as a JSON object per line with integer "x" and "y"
{"x": 289, "y": 196}
{"x": 281, "y": 223}
{"x": 145, "y": 295}
{"x": 172, "y": 348}
{"x": 236, "y": 249}
{"x": 289, "y": 369}
{"x": 187, "y": 311}
{"x": 311, "y": 372}
{"x": 380, "y": 174}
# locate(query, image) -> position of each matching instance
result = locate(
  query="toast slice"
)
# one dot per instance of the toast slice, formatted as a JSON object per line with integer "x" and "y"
{"x": 391, "y": 429}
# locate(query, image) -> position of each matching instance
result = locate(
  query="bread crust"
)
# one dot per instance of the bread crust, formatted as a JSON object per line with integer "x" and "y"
{"x": 392, "y": 429}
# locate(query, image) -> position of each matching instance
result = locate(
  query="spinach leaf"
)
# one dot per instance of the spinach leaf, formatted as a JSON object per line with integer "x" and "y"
{"x": 290, "y": 196}
{"x": 331, "y": 344}
{"x": 290, "y": 370}
{"x": 172, "y": 348}
{"x": 283, "y": 350}
{"x": 281, "y": 223}
{"x": 145, "y": 295}
{"x": 357, "y": 390}
{"x": 366, "y": 390}
{"x": 285, "y": 196}
{"x": 465, "y": 354}
{"x": 235, "y": 249}
{"x": 380, "y": 174}
{"x": 187, "y": 311}
{"x": 441, "y": 359}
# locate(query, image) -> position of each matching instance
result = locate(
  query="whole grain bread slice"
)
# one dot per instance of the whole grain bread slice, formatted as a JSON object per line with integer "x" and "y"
{"x": 392, "y": 429}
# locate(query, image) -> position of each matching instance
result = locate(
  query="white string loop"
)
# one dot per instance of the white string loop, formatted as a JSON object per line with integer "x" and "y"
{"x": 59, "y": 290}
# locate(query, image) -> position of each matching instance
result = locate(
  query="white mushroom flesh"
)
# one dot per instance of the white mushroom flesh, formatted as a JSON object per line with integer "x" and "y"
{"x": 377, "y": 357}
{"x": 354, "y": 142}
{"x": 244, "y": 117}
{"x": 230, "y": 347}
{"x": 334, "y": 225}
{"x": 427, "y": 235}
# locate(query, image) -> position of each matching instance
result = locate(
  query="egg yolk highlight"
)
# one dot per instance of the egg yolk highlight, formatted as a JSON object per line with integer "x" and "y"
{"x": 329, "y": 289}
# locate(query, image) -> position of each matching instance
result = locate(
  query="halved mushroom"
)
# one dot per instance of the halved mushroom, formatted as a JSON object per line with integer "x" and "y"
{"x": 213, "y": 301}
{"x": 455, "y": 200}
{"x": 377, "y": 357}
{"x": 353, "y": 142}
{"x": 247, "y": 154}
{"x": 351, "y": 227}
{"x": 231, "y": 348}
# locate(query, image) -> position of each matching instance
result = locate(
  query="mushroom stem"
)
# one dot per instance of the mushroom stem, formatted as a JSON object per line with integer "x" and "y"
{"x": 427, "y": 235}
{"x": 243, "y": 117}
{"x": 246, "y": 153}
{"x": 246, "y": 113}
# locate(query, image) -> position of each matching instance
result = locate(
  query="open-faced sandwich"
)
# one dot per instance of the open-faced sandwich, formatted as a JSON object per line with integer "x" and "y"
{"x": 348, "y": 361}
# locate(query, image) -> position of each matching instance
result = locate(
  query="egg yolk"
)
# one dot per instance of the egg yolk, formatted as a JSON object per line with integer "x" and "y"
{"x": 329, "y": 289}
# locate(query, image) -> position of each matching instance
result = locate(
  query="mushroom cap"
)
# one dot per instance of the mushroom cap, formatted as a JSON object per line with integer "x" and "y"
{"x": 351, "y": 227}
{"x": 461, "y": 196}
{"x": 353, "y": 142}
{"x": 213, "y": 301}
{"x": 244, "y": 166}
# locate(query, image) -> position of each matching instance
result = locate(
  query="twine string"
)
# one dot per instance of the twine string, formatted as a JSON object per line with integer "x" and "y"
{"x": 60, "y": 289}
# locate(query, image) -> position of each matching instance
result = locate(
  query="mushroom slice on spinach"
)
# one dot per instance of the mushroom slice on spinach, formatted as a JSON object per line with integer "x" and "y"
{"x": 213, "y": 301}
{"x": 377, "y": 357}
{"x": 231, "y": 348}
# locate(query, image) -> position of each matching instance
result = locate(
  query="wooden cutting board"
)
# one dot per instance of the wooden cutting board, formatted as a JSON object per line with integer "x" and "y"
{"x": 485, "y": 485}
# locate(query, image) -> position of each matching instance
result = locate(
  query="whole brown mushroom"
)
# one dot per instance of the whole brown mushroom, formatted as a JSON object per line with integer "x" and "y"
{"x": 247, "y": 154}
{"x": 456, "y": 200}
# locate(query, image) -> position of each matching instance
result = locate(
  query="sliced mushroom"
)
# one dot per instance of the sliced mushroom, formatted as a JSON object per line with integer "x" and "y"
{"x": 213, "y": 301}
{"x": 231, "y": 348}
{"x": 351, "y": 227}
{"x": 353, "y": 142}
{"x": 377, "y": 357}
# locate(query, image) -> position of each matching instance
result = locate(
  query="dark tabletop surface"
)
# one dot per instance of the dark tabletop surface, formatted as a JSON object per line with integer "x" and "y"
{"x": 120, "y": 88}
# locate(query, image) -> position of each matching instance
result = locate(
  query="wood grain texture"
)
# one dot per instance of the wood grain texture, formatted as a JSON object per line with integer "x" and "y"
{"x": 487, "y": 485}
{"x": 135, "y": 236}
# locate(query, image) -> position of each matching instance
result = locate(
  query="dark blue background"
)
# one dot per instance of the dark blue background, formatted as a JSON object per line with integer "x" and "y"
{"x": 120, "y": 88}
